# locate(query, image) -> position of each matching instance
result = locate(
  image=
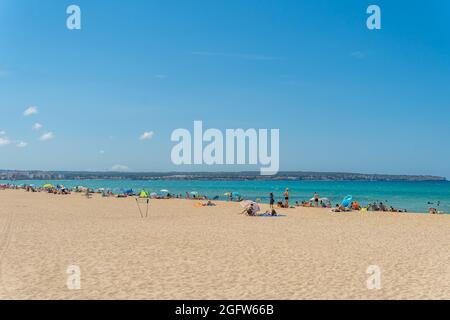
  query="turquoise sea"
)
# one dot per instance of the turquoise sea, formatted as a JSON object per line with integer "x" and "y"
{"x": 412, "y": 196}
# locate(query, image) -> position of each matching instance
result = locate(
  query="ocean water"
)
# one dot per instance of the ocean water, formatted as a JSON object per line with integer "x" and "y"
{"x": 412, "y": 196}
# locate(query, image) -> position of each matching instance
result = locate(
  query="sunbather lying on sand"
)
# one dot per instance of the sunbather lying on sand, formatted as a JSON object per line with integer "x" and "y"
{"x": 340, "y": 208}
{"x": 270, "y": 212}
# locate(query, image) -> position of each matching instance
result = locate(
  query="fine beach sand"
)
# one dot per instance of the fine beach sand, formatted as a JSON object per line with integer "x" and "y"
{"x": 184, "y": 252}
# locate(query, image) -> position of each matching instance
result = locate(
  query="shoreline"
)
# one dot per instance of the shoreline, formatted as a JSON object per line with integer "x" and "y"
{"x": 396, "y": 197}
{"x": 264, "y": 206}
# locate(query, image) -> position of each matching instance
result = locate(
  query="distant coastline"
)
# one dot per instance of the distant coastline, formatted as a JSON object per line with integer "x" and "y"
{"x": 244, "y": 175}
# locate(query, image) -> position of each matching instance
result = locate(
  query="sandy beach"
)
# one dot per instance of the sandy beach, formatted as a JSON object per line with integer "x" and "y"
{"x": 185, "y": 252}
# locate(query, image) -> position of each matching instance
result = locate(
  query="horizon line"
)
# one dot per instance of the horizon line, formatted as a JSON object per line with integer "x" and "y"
{"x": 252, "y": 172}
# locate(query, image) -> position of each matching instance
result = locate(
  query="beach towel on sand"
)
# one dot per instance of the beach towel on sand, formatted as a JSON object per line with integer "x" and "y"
{"x": 268, "y": 215}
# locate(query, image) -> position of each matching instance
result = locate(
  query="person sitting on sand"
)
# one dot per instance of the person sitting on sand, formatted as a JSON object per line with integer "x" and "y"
{"x": 382, "y": 207}
{"x": 355, "y": 205}
{"x": 339, "y": 208}
{"x": 209, "y": 204}
{"x": 374, "y": 207}
{"x": 336, "y": 209}
{"x": 250, "y": 210}
{"x": 433, "y": 211}
{"x": 316, "y": 198}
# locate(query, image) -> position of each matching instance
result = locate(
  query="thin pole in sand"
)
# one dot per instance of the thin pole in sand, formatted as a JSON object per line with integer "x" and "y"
{"x": 139, "y": 207}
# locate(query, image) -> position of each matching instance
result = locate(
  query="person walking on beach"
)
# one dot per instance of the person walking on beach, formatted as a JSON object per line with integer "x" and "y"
{"x": 286, "y": 198}
{"x": 316, "y": 199}
{"x": 272, "y": 200}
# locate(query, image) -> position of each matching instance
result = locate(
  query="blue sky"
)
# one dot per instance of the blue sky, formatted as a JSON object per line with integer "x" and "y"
{"x": 345, "y": 98}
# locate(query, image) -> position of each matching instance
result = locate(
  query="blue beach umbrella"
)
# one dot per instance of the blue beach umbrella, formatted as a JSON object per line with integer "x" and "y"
{"x": 347, "y": 201}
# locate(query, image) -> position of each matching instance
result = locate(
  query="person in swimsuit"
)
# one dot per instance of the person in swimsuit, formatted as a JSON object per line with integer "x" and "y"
{"x": 286, "y": 198}
{"x": 272, "y": 200}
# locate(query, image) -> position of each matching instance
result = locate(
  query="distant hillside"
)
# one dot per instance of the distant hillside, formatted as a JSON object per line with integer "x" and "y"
{"x": 250, "y": 175}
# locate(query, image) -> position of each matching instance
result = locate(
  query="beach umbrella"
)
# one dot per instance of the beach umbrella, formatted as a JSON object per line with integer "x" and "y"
{"x": 236, "y": 194}
{"x": 248, "y": 203}
{"x": 143, "y": 194}
{"x": 48, "y": 186}
{"x": 164, "y": 190}
{"x": 226, "y": 194}
{"x": 347, "y": 201}
{"x": 153, "y": 195}
{"x": 194, "y": 192}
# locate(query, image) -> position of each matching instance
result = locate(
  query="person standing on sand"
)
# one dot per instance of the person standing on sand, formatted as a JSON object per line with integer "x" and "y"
{"x": 316, "y": 199}
{"x": 286, "y": 198}
{"x": 272, "y": 200}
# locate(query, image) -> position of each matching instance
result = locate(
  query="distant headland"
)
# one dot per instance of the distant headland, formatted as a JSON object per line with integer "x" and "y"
{"x": 243, "y": 175}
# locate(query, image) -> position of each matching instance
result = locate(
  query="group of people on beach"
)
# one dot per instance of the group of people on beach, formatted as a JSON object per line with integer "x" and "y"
{"x": 316, "y": 201}
{"x": 280, "y": 203}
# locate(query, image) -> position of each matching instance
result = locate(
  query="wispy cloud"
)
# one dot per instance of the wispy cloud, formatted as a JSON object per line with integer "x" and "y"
{"x": 147, "y": 135}
{"x": 47, "y": 136}
{"x": 37, "y": 126}
{"x": 160, "y": 76}
{"x": 2, "y": 133}
{"x": 119, "y": 168}
{"x": 243, "y": 56}
{"x": 358, "y": 55}
{"x": 21, "y": 144}
{"x": 4, "y": 141}
{"x": 102, "y": 152}
{"x": 30, "y": 111}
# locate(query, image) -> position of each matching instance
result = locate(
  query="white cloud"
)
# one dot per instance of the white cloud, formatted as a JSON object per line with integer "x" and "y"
{"x": 22, "y": 144}
{"x": 2, "y": 133}
{"x": 358, "y": 55}
{"x": 4, "y": 141}
{"x": 235, "y": 55}
{"x": 119, "y": 168}
{"x": 147, "y": 135}
{"x": 30, "y": 111}
{"x": 102, "y": 151}
{"x": 37, "y": 126}
{"x": 47, "y": 136}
